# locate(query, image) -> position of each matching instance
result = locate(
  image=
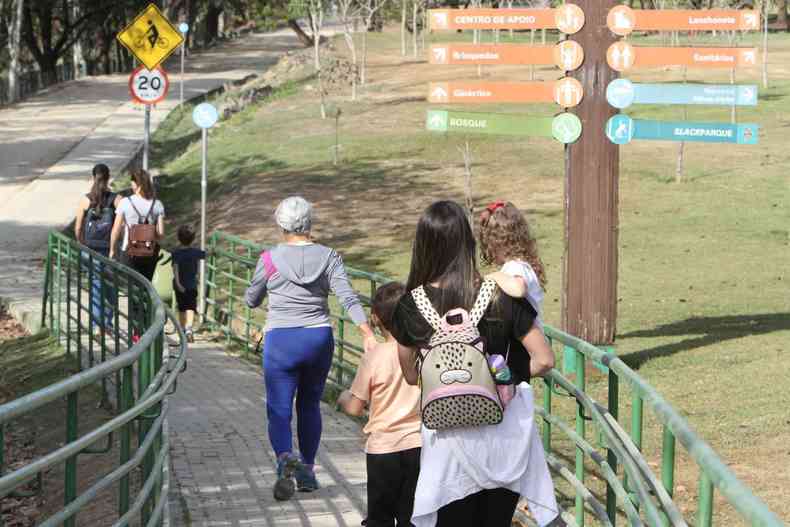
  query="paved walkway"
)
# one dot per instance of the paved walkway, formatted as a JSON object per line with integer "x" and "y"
{"x": 49, "y": 143}
{"x": 223, "y": 468}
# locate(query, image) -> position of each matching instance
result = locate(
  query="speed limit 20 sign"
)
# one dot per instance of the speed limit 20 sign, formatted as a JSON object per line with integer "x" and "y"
{"x": 148, "y": 86}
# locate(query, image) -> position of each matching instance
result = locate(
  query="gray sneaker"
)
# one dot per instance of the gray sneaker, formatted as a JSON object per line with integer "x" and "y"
{"x": 285, "y": 487}
{"x": 305, "y": 479}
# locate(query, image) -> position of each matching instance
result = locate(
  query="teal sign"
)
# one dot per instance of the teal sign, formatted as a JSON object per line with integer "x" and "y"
{"x": 565, "y": 127}
{"x": 622, "y": 93}
{"x": 621, "y": 130}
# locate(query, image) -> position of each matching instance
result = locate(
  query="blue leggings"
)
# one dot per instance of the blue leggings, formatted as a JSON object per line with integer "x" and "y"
{"x": 296, "y": 361}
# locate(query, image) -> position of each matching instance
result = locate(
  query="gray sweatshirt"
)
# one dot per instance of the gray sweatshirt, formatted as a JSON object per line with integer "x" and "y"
{"x": 298, "y": 279}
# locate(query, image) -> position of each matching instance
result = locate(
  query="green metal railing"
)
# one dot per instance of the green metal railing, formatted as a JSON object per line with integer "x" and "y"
{"x": 111, "y": 321}
{"x": 628, "y": 486}
{"x": 229, "y": 268}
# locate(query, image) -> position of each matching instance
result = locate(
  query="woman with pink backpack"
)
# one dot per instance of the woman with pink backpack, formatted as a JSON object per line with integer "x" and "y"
{"x": 473, "y": 350}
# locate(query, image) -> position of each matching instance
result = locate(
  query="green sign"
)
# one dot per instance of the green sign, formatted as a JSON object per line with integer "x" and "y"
{"x": 565, "y": 127}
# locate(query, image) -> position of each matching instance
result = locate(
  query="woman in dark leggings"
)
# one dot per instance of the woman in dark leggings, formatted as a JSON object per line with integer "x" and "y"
{"x": 141, "y": 207}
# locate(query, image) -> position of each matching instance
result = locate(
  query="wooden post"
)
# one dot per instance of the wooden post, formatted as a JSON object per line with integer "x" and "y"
{"x": 592, "y": 167}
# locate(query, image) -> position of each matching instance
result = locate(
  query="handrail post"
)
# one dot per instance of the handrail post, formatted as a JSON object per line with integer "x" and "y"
{"x": 60, "y": 293}
{"x": 247, "y": 309}
{"x": 341, "y": 334}
{"x": 91, "y": 300}
{"x": 611, "y": 457}
{"x": 68, "y": 307}
{"x": 668, "y": 464}
{"x": 705, "y": 510}
{"x": 231, "y": 293}
{"x": 548, "y": 386}
{"x": 580, "y": 429}
{"x": 127, "y": 401}
{"x": 46, "y": 296}
{"x": 70, "y": 490}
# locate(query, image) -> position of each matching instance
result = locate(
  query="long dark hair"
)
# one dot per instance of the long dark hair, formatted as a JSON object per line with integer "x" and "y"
{"x": 143, "y": 181}
{"x": 444, "y": 252}
{"x": 101, "y": 185}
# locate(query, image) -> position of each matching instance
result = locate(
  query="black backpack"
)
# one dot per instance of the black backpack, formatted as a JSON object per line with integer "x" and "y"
{"x": 98, "y": 223}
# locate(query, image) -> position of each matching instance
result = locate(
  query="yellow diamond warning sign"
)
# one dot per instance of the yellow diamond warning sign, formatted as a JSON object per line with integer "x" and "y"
{"x": 151, "y": 37}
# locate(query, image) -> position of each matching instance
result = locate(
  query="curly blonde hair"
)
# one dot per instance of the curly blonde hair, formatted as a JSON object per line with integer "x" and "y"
{"x": 504, "y": 235}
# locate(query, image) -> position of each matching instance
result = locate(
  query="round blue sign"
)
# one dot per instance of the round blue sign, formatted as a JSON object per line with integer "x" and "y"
{"x": 620, "y": 93}
{"x": 205, "y": 115}
{"x": 183, "y": 27}
{"x": 620, "y": 129}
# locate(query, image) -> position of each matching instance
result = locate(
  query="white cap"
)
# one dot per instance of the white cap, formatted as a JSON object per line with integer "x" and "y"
{"x": 294, "y": 214}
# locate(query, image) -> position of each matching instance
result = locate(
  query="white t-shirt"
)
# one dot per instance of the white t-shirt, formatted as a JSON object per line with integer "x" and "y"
{"x": 534, "y": 291}
{"x": 131, "y": 217}
{"x": 458, "y": 462}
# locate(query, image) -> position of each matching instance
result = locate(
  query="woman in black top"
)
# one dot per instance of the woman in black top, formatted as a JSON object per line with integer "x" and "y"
{"x": 453, "y": 490}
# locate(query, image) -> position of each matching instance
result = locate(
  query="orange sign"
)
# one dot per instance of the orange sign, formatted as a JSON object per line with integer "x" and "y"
{"x": 622, "y": 56}
{"x": 567, "y": 92}
{"x": 567, "y": 18}
{"x": 622, "y": 20}
{"x": 567, "y": 55}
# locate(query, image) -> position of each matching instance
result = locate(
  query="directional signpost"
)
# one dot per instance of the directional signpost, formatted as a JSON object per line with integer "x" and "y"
{"x": 567, "y": 18}
{"x": 565, "y": 127}
{"x": 622, "y": 56}
{"x": 566, "y": 55}
{"x": 622, "y": 93}
{"x": 623, "y": 20}
{"x": 566, "y": 92}
{"x": 621, "y": 130}
{"x": 151, "y": 38}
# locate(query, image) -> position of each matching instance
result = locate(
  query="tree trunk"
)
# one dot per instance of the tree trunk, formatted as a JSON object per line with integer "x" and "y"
{"x": 363, "y": 70}
{"x": 403, "y": 28}
{"x": 414, "y": 35}
{"x": 781, "y": 19}
{"x": 14, "y": 42}
{"x": 303, "y": 37}
{"x": 352, "y": 48}
{"x": 212, "y": 22}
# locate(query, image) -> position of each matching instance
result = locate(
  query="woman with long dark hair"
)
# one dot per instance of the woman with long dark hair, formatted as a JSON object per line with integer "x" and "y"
{"x": 141, "y": 207}
{"x": 92, "y": 228}
{"x": 474, "y": 475}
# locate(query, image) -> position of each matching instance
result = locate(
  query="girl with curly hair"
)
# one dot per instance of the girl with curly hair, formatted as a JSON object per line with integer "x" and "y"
{"x": 505, "y": 241}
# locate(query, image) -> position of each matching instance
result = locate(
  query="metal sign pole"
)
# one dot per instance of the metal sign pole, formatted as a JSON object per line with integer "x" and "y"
{"x": 203, "y": 189}
{"x": 146, "y": 135}
{"x": 183, "y": 54}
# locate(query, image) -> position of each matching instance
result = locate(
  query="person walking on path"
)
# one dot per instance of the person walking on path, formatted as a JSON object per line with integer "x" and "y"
{"x": 393, "y": 427}
{"x": 472, "y": 475}
{"x": 185, "y": 278}
{"x": 141, "y": 217}
{"x": 298, "y": 275}
{"x": 92, "y": 228}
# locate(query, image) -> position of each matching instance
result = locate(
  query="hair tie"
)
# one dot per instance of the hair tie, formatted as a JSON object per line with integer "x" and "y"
{"x": 494, "y": 206}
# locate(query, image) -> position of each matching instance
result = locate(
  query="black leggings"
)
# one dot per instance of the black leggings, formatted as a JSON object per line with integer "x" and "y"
{"x": 146, "y": 266}
{"x": 392, "y": 480}
{"x": 487, "y": 508}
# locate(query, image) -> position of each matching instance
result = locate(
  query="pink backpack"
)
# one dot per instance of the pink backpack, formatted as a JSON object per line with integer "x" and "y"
{"x": 458, "y": 387}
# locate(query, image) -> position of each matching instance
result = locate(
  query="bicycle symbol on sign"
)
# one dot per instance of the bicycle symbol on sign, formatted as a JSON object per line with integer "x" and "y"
{"x": 151, "y": 38}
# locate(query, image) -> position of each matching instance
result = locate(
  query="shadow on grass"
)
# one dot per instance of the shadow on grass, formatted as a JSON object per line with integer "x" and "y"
{"x": 362, "y": 207}
{"x": 710, "y": 330}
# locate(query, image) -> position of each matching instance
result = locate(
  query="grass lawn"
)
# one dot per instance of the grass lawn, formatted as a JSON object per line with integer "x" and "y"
{"x": 704, "y": 310}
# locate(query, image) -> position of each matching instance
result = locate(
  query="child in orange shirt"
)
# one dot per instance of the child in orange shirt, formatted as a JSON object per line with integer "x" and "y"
{"x": 393, "y": 427}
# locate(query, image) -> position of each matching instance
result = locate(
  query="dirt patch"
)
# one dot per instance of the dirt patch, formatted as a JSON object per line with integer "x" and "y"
{"x": 29, "y": 363}
{"x": 9, "y": 327}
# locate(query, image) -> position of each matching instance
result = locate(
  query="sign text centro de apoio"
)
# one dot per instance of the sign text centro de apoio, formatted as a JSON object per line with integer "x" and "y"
{"x": 568, "y": 18}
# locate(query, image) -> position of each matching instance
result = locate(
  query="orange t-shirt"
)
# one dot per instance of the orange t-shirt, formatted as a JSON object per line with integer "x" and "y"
{"x": 393, "y": 421}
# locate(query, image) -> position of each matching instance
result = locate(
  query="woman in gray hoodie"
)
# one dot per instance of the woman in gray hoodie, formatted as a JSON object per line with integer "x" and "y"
{"x": 298, "y": 276}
